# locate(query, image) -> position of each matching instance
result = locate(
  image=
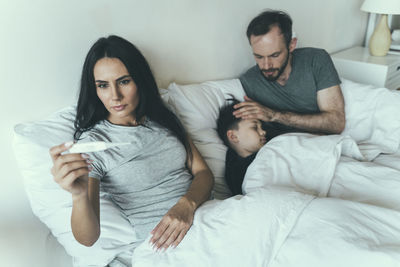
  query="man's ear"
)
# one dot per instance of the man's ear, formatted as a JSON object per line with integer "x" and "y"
{"x": 232, "y": 137}
{"x": 293, "y": 44}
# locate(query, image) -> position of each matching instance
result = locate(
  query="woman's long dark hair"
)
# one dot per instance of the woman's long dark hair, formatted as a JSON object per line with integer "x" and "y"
{"x": 90, "y": 109}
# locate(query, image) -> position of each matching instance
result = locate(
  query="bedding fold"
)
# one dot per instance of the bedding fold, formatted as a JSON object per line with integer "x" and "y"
{"x": 325, "y": 166}
{"x": 334, "y": 232}
{"x": 299, "y": 160}
{"x": 240, "y": 231}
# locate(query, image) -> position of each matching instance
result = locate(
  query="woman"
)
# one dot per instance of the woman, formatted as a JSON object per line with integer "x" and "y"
{"x": 159, "y": 180}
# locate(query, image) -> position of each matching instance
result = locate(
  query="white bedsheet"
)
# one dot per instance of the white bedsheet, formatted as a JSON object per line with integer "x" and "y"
{"x": 239, "y": 231}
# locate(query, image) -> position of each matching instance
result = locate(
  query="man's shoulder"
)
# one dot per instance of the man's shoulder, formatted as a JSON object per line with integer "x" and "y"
{"x": 309, "y": 52}
{"x": 251, "y": 76}
{"x": 251, "y": 72}
{"x": 252, "y": 80}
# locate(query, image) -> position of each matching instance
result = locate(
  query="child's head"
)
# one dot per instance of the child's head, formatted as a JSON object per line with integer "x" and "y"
{"x": 244, "y": 136}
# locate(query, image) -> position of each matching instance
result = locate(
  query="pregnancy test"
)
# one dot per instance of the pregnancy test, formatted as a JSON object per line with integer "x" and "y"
{"x": 94, "y": 146}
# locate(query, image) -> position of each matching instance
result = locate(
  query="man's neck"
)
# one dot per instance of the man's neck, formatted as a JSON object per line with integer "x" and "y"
{"x": 284, "y": 77}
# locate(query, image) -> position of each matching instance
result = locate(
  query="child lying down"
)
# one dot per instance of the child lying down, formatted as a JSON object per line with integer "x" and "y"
{"x": 320, "y": 165}
{"x": 243, "y": 138}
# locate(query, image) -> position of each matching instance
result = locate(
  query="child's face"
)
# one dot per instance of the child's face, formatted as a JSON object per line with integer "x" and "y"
{"x": 250, "y": 135}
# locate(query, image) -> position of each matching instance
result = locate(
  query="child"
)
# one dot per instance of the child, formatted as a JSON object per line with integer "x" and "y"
{"x": 243, "y": 138}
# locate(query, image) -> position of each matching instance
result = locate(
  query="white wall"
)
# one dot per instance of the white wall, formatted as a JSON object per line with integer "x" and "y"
{"x": 43, "y": 44}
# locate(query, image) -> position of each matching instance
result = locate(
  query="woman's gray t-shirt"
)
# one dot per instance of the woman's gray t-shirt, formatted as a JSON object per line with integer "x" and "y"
{"x": 144, "y": 179}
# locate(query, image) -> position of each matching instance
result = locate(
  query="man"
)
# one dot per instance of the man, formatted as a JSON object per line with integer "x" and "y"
{"x": 296, "y": 88}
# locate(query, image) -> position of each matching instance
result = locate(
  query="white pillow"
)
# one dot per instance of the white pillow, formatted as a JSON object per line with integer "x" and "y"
{"x": 197, "y": 106}
{"x": 372, "y": 119}
{"x": 53, "y": 205}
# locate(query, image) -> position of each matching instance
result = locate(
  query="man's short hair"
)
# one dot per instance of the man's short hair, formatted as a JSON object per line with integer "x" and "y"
{"x": 227, "y": 121}
{"x": 263, "y": 23}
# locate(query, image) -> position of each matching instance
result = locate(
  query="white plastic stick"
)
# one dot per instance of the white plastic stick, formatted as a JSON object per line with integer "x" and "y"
{"x": 93, "y": 146}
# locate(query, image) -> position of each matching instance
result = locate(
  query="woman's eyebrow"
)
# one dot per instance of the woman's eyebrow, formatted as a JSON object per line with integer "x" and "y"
{"x": 119, "y": 79}
{"x": 123, "y": 77}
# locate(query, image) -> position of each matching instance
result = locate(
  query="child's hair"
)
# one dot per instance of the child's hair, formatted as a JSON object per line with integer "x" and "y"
{"x": 226, "y": 120}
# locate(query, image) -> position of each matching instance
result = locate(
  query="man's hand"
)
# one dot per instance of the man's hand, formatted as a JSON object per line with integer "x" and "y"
{"x": 249, "y": 109}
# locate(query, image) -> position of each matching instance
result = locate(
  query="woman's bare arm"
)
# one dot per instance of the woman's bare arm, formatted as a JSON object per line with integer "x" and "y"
{"x": 174, "y": 225}
{"x": 70, "y": 171}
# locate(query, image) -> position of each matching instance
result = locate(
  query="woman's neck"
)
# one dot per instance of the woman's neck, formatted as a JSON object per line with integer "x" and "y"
{"x": 131, "y": 121}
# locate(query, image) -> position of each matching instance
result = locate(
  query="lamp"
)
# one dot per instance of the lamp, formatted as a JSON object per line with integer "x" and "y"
{"x": 380, "y": 41}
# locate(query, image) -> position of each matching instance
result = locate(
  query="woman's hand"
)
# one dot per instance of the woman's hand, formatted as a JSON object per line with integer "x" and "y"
{"x": 174, "y": 225}
{"x": 70, "y": 171}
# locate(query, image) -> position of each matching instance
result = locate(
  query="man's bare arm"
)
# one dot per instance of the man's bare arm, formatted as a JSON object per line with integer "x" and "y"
{"x": 330, "y": 120}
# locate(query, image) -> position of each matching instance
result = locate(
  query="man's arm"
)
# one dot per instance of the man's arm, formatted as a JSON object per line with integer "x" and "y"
{"x": 331, "y": 119}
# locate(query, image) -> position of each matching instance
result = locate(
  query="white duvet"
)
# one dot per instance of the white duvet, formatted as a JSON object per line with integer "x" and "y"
{"x": 279, "y": 222}
{"x": 239, "y": 231}
{"x": 330, "y": 165}
{"x": 331, "y": 231}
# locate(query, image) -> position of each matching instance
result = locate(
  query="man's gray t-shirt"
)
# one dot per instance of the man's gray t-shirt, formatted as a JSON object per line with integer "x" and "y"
{"x": 144, "y": 179}
{"x": 312, "y": 70}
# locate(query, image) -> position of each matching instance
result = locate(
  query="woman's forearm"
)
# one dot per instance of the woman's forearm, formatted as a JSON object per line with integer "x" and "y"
{"x": 203, "y": 180}
{"x": 200, "y": 189}
{"x": 85, "y": 220}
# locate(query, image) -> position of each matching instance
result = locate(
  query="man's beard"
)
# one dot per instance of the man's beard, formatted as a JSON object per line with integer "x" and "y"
{"x": 280, "y": 70}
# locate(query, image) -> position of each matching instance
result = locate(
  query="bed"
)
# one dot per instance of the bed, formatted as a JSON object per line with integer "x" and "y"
{"x": 331, "y": 201}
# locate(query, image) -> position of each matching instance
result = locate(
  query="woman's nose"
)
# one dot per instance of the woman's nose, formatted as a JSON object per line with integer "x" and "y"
{"x": 115, "y": 93}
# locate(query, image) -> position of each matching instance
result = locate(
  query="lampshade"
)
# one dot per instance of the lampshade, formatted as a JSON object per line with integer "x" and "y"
{"x": 379, "y": 43}
{"x": 381, "y": 6}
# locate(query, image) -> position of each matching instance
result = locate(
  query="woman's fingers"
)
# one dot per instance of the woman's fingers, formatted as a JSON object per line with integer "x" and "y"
{"x": 175, "y": 237}
{"x": 68, "y": 181}
{"x": 179, "y": 238}
{"x": 56, "y": 151}
{"x": 68, "y": 169}
{"x": 166, "y": 235}
{"x": 173, "y": 226}
{"x": 71, "y": 170}
{"x": 158, "y": 231}
{"x": 67, "y": 159}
